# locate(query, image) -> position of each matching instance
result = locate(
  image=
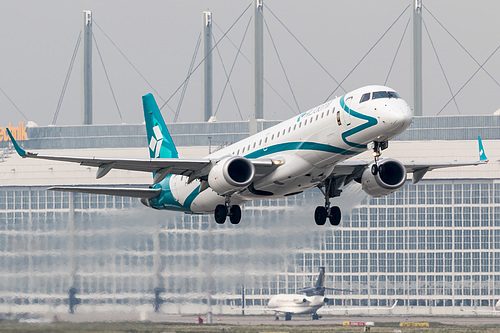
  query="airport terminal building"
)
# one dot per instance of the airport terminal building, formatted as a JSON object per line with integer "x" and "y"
{"x": 432, "y": 246}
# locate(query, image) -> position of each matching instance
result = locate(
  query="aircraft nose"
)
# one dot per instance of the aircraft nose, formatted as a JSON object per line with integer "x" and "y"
{"x": 400, "y": 115}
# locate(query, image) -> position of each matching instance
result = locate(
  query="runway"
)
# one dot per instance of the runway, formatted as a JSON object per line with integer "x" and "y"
{"x": 252, "y": 320}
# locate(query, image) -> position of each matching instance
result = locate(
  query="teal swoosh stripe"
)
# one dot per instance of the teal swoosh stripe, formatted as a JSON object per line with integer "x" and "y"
{"x": 189, "y": 200}
{"x": 167, "y": 201}
{"x": 370, "y": 121}
{"x": 281, "y": 147}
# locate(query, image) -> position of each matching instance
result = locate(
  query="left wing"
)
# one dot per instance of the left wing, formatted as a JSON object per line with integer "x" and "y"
{"x": 160, "y": 166}
{"x": 361, "y": 308}
{"x": 354, "y": 169}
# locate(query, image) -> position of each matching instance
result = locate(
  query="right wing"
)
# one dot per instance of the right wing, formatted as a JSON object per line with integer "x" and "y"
{"x": 349, "y": 170}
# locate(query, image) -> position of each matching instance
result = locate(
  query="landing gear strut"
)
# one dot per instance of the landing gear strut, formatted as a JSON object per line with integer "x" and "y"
{"x": 222, "y": 211}
{"x": 333, "y": 213}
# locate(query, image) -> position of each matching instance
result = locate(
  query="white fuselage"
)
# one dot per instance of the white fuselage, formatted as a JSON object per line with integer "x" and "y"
{"x": 295, "y": 304}
{"x": 310, "y": 145}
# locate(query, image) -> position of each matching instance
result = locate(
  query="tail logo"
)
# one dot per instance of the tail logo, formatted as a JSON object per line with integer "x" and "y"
{"x": 156, "y": 141}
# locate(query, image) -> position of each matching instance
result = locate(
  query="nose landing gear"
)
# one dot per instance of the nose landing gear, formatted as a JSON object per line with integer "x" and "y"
{"x": 377, "y": 147}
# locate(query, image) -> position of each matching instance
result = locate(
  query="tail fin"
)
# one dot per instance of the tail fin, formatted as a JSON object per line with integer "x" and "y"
{"x": 160, "y": 141}
{"x": 482, "y": 154}
{"x": 320, "y": 283}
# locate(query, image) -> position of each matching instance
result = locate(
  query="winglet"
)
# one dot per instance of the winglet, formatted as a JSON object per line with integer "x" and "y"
{"x": 482, "y": 155}
{"x": 19, "y": 150}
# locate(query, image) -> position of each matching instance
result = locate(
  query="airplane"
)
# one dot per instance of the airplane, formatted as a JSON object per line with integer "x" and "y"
{"x": 310, "y": 150}
{"x": 309, "y": 303}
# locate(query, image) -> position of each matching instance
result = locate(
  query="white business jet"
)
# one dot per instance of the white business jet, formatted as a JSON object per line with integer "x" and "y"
{"x": 309, "y": 301}
{"x": 309, "y": 150}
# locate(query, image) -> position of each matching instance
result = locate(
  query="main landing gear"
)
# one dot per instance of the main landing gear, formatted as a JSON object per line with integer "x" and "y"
{"x": 222, "y": 211}
{"x": 322, "y": 212}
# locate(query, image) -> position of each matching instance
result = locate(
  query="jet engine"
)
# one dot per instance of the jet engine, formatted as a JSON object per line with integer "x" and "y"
{"x": 300, "y": 300}
{"x": 231, "y": 174}
{"x": 317, "y": 301}
{"x": 390, "y": 177}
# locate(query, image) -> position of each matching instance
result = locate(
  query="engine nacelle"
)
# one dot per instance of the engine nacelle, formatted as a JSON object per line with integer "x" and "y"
{"x": 300, "y": 300}
{"x": 231, "y": 174}
{"x": 390, "y": 177}
{"x": 317, "y": 300}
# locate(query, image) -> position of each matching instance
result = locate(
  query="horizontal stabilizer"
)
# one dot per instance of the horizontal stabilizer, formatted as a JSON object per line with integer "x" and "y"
{"x": 123, "y": 192}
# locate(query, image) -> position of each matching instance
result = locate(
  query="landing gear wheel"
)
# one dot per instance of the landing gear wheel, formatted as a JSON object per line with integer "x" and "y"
{"x": 288, "y": 316}
{"x": 335, "y": 215}
{"x": 320, "y": 215}
{"x": 220, "y": 214}
{"x": 315, "y": 316}
{"x": 375, "y": 169}
{"x": 235, "y": 214}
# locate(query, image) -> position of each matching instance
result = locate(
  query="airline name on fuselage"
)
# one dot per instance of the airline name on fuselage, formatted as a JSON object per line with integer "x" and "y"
{"x": 313, "y": 111}
{"x": 18, "y": 132}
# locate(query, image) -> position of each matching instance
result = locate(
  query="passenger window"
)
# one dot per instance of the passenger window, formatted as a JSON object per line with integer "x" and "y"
{"x": 365, "y": 97}
{"x": 294, "y": 127}
{"x": 265, "y": 141}
{"x": 254, "y": 144}
{"x": 260, "y": 142}
{"x": 278, "y": 135}
{"x": 284, "y": 131}
{"x": 305, "y": 123}
{"x": 327, "y": 112}
{"x": 300, "y": 125}
{"x": 243, "y": 150}
{"x": 272, "y": 137}
{"x": 238, "y": 152}
{"x": 322, "y": 114}
{"x": 289, "y": 129}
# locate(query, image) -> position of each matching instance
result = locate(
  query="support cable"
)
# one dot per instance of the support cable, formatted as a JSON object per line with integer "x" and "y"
{"x": 397, "y": 51}
{"x": 303, "y": 46}
{"x": 14, "y": 104}
{"x": 470, "y": 78}
{"x": 131, "y": 64}
{"x": 230, "y": 72}
{"x": 66, "y": 80}
{"x": 463, "y": 47}
{"x": 267, "y": 82}
{"x": 368, "y": 52}
{"x": 193, "y": 59}
{"x": 107, "y": 78}
{"x": 282, "y": 67}
{"x": 201, "y": 62}
{"x": 441, "y": 66}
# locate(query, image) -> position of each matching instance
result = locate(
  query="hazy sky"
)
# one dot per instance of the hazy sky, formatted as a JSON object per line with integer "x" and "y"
{"x": 159, "y": 38}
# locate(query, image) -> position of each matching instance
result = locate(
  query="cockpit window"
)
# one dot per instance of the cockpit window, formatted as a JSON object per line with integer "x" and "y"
{"x": 385, "y": 94}
{"x": 365, "y": 97}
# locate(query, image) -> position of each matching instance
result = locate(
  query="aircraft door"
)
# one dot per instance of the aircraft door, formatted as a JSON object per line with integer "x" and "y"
{"x": 347, "y": 117}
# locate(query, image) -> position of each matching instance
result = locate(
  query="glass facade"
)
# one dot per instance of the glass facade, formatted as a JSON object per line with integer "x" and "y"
{"x": 431, "y": 245}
